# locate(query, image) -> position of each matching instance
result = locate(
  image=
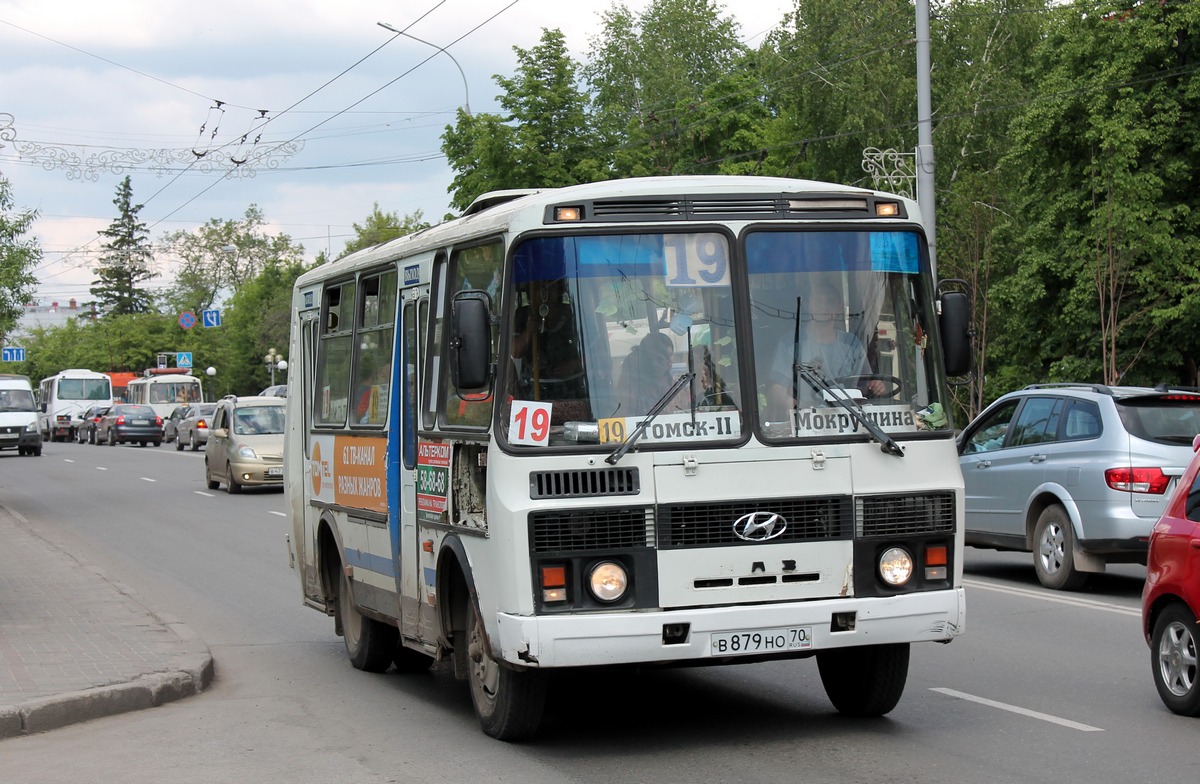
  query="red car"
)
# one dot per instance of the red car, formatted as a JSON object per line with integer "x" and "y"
{"x": 1171, "y": 598}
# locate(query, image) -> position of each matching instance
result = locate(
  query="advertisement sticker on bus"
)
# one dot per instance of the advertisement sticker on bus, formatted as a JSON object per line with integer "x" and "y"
{"x": 350, "y": 471}
{"x": 433, "y": 481}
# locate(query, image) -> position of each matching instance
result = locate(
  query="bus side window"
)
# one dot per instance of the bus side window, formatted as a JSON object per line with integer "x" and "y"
{"x": 331, "y": 400}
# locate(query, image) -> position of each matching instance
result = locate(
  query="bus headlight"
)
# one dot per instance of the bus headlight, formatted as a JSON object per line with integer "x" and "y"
{"x": 895, "y": 566}
{"x": 608, "y": 581}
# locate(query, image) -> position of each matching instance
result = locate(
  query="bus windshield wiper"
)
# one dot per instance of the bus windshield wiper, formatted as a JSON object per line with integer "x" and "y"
{"x": 655, "y": 410}
{"x": 815, "y": 375}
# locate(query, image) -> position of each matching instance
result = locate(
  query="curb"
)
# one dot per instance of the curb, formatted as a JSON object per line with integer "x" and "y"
{"x": 187, "y": 674}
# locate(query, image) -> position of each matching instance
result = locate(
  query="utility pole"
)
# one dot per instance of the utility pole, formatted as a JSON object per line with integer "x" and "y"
{"x": 926, "y": 197}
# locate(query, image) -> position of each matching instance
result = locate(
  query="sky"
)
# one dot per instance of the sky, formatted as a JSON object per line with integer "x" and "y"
{"x": 346, "y": 114}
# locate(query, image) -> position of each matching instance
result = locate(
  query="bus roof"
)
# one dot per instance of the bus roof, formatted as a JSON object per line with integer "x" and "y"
{"x": 494, "y": 212}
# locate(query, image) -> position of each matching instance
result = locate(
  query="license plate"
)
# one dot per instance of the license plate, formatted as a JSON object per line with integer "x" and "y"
{"x": 276, "y": 471}
{"x": 141, "y": 421}
{"x": 794, "y": 638}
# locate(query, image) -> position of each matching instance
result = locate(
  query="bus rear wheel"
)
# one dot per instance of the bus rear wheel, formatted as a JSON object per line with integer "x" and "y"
{"x": 508, "y": 703}
{"x": 865, "y": 681}
{"x": 369, "y": 643}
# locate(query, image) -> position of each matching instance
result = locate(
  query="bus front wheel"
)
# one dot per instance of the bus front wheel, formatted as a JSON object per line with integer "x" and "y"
{"x": 369, "y": 643}
{"x": 864, "y": 681}
{"x": 508, "y": 703}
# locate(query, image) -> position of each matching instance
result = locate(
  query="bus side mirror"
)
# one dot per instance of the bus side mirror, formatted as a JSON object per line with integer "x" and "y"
{"x": 471, "y": 341}
{"x": 954, "y": 320}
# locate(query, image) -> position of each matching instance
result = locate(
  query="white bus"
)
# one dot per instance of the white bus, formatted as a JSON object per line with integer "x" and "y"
{"x": 475, "y": 471}
{"x": 63, "y": 397}
{"x": 165, "y": 388}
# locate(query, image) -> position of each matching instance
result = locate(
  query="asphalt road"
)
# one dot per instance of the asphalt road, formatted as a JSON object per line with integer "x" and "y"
{"x": 1043, "y": 687}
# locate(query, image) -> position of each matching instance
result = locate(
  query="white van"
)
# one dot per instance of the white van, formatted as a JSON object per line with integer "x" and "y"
{"x": 18, "y": 416}
{"x": 65, "y": 396}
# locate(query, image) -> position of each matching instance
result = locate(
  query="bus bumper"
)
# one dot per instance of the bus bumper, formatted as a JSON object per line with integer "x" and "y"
{"x": 642, "y": 637}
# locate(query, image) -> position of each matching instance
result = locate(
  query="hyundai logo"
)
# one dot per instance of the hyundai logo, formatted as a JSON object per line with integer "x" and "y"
{"x": 759, "y": 526}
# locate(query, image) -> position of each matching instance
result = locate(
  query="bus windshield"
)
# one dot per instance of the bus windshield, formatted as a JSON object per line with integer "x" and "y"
{"x": 841, "y": 325}
{"x": 601, "y": 328}
{"x": 84, "y": 389}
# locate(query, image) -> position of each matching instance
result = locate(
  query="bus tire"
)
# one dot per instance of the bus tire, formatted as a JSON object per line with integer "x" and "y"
{"x": 370, "y": 645}
{"x": 508, "y": 703}
{"x": 864, "y": 681}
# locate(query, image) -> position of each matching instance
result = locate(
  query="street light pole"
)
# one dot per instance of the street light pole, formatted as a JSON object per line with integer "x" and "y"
{"x": 466, "y": 92}
{"x": 274, "y": 361}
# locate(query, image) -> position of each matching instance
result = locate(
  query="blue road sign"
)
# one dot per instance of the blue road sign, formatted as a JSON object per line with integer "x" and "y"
{"x": 12, "y": 354}
{"x": 187, "y": 319}
{"x": 210, "y": 318}
{"x": 183, "y": 359}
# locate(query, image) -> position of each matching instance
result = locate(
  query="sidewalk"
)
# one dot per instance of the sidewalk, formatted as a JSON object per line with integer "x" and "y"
{"x": 75, "y": 646}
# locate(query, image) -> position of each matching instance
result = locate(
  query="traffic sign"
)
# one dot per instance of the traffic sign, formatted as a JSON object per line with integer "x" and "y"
{"x": 183, "y": 359}
{"x": 12, "y": 354}
{"x": 210, "y": 318}
{"x": 187, "y": 319}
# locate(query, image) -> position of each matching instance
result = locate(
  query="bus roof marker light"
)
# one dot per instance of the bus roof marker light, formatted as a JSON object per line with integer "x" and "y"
{"x": 568, "y": 213}
{"x": 887, "y": 209}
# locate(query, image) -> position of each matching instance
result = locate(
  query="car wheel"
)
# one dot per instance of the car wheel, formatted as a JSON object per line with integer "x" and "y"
{"x": 195, "y": 443}
{"x": 178, "y": 444}
{"x": 508, "y": 703}
{"x": 231, "y": 483}
{"x": 370, "y": 644}
{"x": 864, "y": 681}
{"x": 1173, "y": 658}
{"x": 213, "y": 484}
{"x": 36, "y": 451}
{"x": 1053, "y": 551}
{"x": 157, "y": 442}
{"x": 112, "y": 438}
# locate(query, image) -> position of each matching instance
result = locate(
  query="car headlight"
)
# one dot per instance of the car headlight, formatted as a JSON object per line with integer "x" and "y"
{"x": 32, "y": 427}
{"x": 608, "y": 581}
{"x": 895, "y": 566}
{"x": 247, "y": 452}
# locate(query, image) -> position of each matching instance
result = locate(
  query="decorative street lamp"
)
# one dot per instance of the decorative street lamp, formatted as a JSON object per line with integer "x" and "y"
{"x": 274, "y": 361}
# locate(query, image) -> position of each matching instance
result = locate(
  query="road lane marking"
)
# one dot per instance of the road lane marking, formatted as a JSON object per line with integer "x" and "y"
{"x": 281, "y": 514}
{"x": 201, "y": 492}
{"x": 1048, "y": 596}
{"x": 101, "y": 468}
{"x": 1074, "y": 725}
{"x": 148, "y": 479}
{"x": 68, "y": 460}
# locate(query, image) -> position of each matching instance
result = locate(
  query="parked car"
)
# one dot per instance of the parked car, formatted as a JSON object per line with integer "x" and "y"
{"x": 278, "y": 390}
{"x": 171, "y": 423}
{"x": 1076, "y": 474}
{"x": 129, "y": 422}
{"x": 86, "y": 431}
{"x": 1171, "y": 596}
{"x": 192, "y": 430}
{"x": 245, "y": 443}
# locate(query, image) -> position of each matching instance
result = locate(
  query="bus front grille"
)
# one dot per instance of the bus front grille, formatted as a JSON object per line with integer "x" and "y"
{"x": 904, "y": 515}
{"x": 708, "y": 525}
{"x": 582, "y": 530}
{"x": 584, "y": 483}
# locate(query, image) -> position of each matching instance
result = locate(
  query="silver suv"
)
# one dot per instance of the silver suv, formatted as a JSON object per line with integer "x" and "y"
{"x": 1077, "y": 474}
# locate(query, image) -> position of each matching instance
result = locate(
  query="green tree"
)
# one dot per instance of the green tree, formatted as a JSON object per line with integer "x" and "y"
{"x": 125, "y": 261}
{"x": 257, "y": 319}
{"x": 219, "y": 257}
{"x": 1104, "y": 163}
{"x": 18, "y": 257}
{"x": 543, "y": 140}
{"x": 380, "y": 227}
{"x": 664, "y": 82}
